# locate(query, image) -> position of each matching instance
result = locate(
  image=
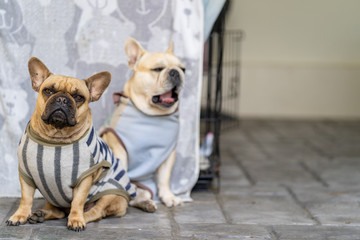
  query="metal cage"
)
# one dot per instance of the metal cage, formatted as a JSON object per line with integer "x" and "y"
{"x": 220, "y": 98}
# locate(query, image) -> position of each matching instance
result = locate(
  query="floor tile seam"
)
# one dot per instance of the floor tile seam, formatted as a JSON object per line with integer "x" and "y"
{"x": 318, "y": 150}
{"x": 34, "y": 233}
{"x": 241, "y": 166}
{"x": 285, "y": 139}
{"x": 273, "y": 234}
{"x": 257, "y": 144}
{"x": 220, "y": 203}
{"x": 316, "y": 176}
{"x": 11, "y": 211}
{"x": 278, "y": 134}
{"x": 174, "y": 226}
{"x": 301, "y": 205}
{"x": 90, "y": 227}
{"x": 322, "y": 132}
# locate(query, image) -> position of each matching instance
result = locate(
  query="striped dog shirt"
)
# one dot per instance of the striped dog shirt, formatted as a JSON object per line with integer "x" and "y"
{"x": 56, "y": 169}
{"x": 149, "y": 140}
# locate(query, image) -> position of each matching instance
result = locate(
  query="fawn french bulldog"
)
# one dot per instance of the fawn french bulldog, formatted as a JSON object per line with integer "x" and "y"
{"x": 61, "y": 155}
{"x": 143, "y": 128}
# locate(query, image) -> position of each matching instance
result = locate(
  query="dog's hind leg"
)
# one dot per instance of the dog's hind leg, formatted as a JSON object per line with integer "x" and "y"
{"x": 108, "y": 205}
{"x": 143, "y": 201}
{"x": 50, "y": 212}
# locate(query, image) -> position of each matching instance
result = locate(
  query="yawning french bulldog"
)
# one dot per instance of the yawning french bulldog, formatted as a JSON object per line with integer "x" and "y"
{"x": 143, "y": 129}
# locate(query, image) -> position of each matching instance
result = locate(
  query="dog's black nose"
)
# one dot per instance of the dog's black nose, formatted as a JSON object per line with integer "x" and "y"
{"x": 174, "y": 73}
{"x": 62, "y": 100}
{"x": 175, "y": 77}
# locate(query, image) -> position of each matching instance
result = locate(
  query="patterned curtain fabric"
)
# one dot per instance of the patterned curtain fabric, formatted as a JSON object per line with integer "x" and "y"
{"x": 80, "y": 38}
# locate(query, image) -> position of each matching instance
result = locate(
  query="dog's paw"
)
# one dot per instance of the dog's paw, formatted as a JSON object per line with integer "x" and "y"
{"x": 150, "y": 206}
{"x": 17, "y": 219}
{"x": 37, "y": 217}
{"x": 76, "y": 223}
{"x": 170, "y": 200}
{"x": 146, "y": 205}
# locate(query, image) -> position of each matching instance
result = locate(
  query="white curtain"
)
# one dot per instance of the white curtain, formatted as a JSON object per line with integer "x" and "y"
{"x": 80, "y": 38}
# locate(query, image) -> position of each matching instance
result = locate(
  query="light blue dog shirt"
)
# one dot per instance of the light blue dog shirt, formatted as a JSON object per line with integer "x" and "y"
{"x": 149, "y": 140}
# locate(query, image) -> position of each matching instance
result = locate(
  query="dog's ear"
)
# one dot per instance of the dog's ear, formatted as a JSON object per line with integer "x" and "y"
{"x": 171, "y": 47}
{"x": 97, "y": 84}
{"x": 38, "y": 72}
{"x": 134, "y": 51}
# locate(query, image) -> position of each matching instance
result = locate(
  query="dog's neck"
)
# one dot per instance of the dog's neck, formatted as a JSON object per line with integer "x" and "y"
{"x": 66, "y": 135}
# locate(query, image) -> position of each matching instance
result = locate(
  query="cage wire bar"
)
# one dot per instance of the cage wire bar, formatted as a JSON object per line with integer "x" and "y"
{"x": 220, "y": 97}
{"x": 231, "y": 80}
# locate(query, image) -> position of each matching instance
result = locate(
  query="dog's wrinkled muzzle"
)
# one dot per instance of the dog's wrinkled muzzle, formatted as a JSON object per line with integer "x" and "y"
{"x": 169, "y": 98}
{"x": 60, "y": 112}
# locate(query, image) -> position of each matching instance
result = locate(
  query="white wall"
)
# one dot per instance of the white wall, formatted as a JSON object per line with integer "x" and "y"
{"x": 300, "y": 58}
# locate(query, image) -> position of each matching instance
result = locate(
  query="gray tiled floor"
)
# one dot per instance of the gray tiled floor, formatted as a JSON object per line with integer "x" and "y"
{"x": 280, "y": 180}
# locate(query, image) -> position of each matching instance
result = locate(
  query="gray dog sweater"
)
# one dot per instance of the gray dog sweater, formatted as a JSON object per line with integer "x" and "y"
{"x": 56, "y": 169}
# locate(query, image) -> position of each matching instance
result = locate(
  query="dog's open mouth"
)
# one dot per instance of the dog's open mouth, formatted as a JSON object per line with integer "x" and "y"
{"x": 167, "y": 99}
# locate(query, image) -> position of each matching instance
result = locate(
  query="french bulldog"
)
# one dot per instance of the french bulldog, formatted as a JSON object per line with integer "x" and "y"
{"x": 143, "y": 128}
{"x": 61, "y": 155}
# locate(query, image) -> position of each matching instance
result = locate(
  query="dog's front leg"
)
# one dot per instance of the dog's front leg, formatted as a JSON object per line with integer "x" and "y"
{"x": 23, "y": 212}
{"x": 163, "y": 182}
{"x": 76, "y": 220}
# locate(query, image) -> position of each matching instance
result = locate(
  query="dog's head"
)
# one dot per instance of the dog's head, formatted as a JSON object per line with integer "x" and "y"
{"x": 63, "y": 102}
{"x": 157, "y": 80}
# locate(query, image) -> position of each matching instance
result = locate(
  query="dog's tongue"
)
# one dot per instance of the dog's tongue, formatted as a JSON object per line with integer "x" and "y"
{"x": 167, "y": 97}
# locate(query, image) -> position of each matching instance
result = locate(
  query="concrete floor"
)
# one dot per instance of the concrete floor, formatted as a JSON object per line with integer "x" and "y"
{"x": 280, "y": 180}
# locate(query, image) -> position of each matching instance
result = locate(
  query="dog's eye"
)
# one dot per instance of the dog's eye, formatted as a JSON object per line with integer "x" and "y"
{"x": 183, "y": 69}
{"x": 78, "y": 98}
{"x": 157, "y": 69}
{"x": 48, "y": 91}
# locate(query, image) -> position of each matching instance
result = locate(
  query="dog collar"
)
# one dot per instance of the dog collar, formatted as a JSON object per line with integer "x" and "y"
{"x": 36, "y": 138}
